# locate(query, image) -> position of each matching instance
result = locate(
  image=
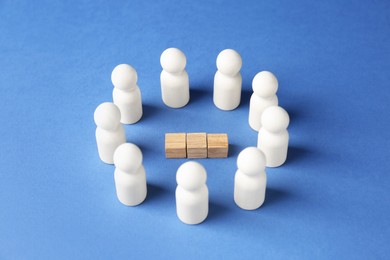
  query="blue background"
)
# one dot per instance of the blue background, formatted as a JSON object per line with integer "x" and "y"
{"x": 330, "y": 200}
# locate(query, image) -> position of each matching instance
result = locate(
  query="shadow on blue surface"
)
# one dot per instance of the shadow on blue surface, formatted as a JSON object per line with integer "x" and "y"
{"x": 234, "y": 150}
{"x": 146, "y": 149}
{"x": 275, "y": 196}
{"x": 297, "y": 153}
{"x": 155, "y": 192}
{"x": 297, "y": 113}
{"x": 293, "y": 113}
{"x": 149, "y": 111}
{"x": 197, "y": 94}
{"x": 245, "y": 96}
{"x": 216, "y": 211}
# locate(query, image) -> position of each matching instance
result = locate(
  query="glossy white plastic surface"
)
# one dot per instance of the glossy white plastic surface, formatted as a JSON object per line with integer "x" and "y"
{"x": 109, "y": 131}
{"x": 228, "y": 80}
{"x": 273, "y": 135}
{"x": 192, "y": 195}
{"x": 126, "y": 93}
{"x": 130, "y": 177}
{"x": 250, "y": 180}
{"x": 264, "y": 86}
{"x": 175, "y": 86}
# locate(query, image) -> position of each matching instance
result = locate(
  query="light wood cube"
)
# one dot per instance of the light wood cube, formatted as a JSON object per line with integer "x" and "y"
{"x": 197, "y": 145}
{"x": 175, "y": 145}
{"x": 217, "y": 145}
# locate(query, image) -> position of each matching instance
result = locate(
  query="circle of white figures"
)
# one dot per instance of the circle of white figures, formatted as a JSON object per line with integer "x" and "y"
{"x": 250, "y": 179}
{"x": 228, "y": 80}
{"x": 264, "y": 86}
{"x": 192, "y": 194}
{"x": 273, "y": 135}
{"x": 109, "y": 131}
{"x": 126, "y": 93}
{"x": 175, "y": 85}
{"x": 129, "y": 175}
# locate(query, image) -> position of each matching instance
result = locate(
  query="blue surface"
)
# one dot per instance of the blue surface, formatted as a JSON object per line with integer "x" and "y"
{"x": 331, "y": 199}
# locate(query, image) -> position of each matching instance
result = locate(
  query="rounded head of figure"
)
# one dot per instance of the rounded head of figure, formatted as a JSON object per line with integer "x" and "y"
{"x": 191, "y": 175}
{"x": 251, "y": 161}
{"x": 275, "y": 119}
{"x": 265, "y": 84}
{"x": 124, "y": 77}
{"x": 229, "y": 62}
{"x": 128, "y": 157}
{"x": 107, "y": 116}
{"x": 173, "y": 60}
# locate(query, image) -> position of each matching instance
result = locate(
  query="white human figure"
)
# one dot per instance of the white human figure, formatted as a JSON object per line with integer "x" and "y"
{"x": 192, "y": 195}
{"x": 228, "y": 80}
{"x": 264, "y": 86}
{"x": 126, "y": 93}
{"x": 175, "y": 86}
{"x": 273, "y": 135}
{"x": 129, "y": 175}
{"x": 250, "y": 180}
{"x": 109, "y": 131}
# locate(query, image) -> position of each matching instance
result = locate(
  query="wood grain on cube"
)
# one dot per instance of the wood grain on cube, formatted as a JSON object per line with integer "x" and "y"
{"x": 175, "y": 145}
{"x": 217, "y": 145}
{"x": 197, "y": 145}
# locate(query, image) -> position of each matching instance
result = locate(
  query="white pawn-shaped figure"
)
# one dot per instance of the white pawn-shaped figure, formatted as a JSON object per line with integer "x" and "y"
{"x": 250, "y": 180}
{"x": 273, "y": 135}
{"x": 175, "y": 86}
{"x": 192, "y": 194}
{"x": 130, "y": 177}
{"x": 109, "y": 131}
{"x": 264, "y": 86}
{"x": 126, "y": 93}
{"x": 228, "y": 80}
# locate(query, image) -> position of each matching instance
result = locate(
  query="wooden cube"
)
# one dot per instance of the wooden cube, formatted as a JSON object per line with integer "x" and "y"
{"x": 217, "y": 145}
{"x": 196, "y": 145}
{"x": 175, "y": 145}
